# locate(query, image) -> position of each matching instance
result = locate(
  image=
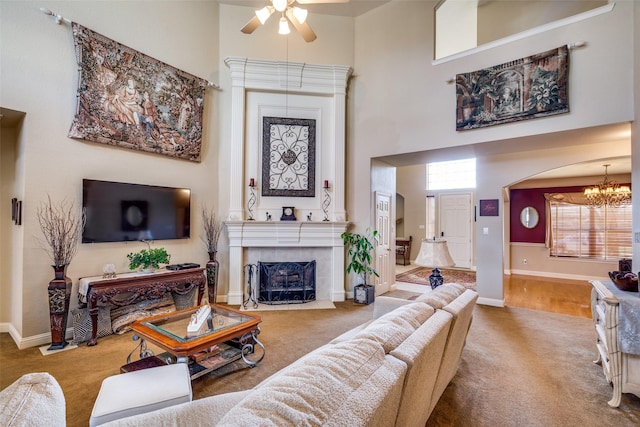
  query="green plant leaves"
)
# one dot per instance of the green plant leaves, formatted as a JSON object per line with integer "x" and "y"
{"x": 147, "y": 258}
{"x": 360, "y": 252}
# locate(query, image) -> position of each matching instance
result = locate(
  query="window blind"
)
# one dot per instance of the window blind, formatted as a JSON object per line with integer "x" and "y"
{"x": 587, "y": 232}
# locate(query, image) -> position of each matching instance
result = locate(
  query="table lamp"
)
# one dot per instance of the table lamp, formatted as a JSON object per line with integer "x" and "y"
{"x": 434, "y": 253}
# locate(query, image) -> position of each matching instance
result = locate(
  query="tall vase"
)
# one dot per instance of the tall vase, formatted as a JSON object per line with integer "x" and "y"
{"x": 59, "y": 294}
{"x": 212, "y": 277}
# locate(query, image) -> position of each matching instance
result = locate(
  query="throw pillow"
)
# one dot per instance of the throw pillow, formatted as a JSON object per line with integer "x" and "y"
{"x": 82, "y": 323}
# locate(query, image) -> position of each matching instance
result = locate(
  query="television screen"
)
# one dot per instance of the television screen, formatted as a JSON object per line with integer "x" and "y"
{"x": 120, "y": 212}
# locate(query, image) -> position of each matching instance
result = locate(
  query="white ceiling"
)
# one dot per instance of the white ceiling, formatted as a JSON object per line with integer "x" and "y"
{"x": 352, "y": 8}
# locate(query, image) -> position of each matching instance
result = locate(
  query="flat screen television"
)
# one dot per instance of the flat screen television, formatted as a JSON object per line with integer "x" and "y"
{"x": 121, "y": 212}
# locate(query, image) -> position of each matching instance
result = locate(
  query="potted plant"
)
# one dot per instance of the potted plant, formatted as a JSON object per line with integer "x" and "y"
{"x": 62, "y": 227}
{"x": 148, "y": 259}
{"x": 360, "y": 249}
{"x": 211, "y": 226}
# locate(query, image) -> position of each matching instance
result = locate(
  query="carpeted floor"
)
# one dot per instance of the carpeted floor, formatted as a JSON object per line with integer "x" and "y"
{"x": 519, "y": 368}
{"x": 530, "y": 368}
{"x": 420, "y": 276}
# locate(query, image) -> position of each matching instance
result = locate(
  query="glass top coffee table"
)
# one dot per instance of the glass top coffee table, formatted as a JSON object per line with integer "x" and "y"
{"x": 225, "y": 337}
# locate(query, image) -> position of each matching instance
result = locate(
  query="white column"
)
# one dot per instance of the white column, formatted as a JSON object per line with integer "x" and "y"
{"x": 236, "y": 193}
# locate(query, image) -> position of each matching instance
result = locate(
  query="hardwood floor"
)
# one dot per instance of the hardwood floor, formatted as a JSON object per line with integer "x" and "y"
{"x": 563, "y": 296}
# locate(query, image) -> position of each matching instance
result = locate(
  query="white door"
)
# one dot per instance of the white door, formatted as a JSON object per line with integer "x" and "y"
{"x": 455, "y": 226}
{"x": 384, "y": 247}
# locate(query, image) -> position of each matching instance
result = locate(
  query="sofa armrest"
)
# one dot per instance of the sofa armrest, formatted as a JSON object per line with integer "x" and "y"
{"x": 384, "y": 305}
{"x": 201, "y": 412}
{"x": 34, "y": 399}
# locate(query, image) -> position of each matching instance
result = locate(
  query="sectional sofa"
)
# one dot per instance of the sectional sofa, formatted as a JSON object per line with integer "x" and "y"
{"x": 390, "y": 371}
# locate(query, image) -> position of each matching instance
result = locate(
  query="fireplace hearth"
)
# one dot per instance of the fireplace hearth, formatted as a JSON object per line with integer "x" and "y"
{"x": 286, "y": 282}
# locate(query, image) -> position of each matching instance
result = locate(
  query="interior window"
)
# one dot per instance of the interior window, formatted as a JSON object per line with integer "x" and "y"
{"x": 451, "y": 175}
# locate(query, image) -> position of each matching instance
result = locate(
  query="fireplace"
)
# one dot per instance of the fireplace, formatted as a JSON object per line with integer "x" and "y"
{"x": 286, "y": 282}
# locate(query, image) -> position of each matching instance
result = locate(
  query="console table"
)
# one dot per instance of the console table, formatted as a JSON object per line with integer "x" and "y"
{"x": 615, "y": 316}
{"x": 132, "y": 287}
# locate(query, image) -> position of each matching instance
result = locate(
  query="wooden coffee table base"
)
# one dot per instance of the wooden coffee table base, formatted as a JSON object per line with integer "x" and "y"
{"x": 230, "y": 351}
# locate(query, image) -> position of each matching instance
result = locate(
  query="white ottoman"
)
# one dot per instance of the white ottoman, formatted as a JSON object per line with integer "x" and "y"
{"x": 137, "y": 392}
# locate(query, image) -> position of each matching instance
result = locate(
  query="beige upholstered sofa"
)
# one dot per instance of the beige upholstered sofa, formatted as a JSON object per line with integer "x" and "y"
{"x": 33, "y": 400}
{"x": 391, "y": 371}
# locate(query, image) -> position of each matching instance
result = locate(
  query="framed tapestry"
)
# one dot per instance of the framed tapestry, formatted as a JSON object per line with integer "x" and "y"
{"x": 130, "y": 100}
{"x": 527, "y": 88}
{"x": 288, "y": 157}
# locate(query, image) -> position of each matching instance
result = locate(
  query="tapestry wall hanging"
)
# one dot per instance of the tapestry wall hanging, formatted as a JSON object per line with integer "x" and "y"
{"x": 128, "y": 99}
{"x": 288, "y": 157}
{"x": 531, "y": 87}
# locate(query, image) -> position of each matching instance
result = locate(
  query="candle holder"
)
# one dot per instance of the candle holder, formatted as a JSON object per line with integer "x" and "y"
{"x": 252, "y": 198}
{"x": 327, "y": 200}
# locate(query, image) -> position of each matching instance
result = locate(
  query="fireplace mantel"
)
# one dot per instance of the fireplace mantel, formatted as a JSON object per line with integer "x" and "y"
{"x": 293, "y": 235}
{"x": 285, "y": 233}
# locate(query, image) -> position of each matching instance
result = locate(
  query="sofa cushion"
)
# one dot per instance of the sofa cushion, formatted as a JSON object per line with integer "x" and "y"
{"x": 350, "y": 383}
{"x": 34, "y": 399}
{"x": 442, "y": 295}
{"x": 393, "y": 328}
{"x": 422, "y": 352}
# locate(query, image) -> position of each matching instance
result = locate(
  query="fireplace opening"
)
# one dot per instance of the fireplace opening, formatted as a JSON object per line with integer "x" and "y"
{"x": 286, "y": 282}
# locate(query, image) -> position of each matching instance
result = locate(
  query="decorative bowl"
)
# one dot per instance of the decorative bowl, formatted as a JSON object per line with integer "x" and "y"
{"x": 624, "y": 280}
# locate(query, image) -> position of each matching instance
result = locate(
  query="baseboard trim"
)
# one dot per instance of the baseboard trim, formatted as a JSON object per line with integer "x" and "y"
{"x": 32, "y": 341}
{"x": 490, "y": 301}
{"x": 556, "y": 275}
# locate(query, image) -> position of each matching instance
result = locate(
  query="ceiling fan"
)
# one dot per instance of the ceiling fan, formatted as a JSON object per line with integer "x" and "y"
{"x": 290, "y": 12}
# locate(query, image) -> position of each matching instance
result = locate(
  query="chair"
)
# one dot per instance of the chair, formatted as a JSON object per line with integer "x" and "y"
{"x": 403, "y": 249}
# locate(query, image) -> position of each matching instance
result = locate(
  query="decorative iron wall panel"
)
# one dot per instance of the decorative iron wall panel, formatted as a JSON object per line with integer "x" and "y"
{"x": 288, "y": 157}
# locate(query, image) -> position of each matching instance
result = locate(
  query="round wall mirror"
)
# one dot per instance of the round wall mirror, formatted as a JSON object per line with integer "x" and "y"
{"x": 529, "y": 217}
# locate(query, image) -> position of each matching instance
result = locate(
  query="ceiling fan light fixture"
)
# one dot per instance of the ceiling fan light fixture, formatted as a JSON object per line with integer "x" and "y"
{"x": 264, "y": 13}
{"x": 300, "y": 14}
{"x": 283, "y": 27}
{"x": 280, "y": 5}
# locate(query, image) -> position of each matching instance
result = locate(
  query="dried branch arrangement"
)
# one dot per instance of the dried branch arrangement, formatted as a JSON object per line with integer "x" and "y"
{"x": 62, "y": 227}
{"x": 212, "y": 228}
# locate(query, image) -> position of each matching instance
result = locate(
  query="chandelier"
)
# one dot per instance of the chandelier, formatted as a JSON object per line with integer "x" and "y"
{"x": 607, "y": 193}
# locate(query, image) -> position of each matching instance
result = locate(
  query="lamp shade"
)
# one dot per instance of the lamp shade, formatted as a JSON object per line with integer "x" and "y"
{"x": 434, "y": 253}
{"x": 283, "y": 27}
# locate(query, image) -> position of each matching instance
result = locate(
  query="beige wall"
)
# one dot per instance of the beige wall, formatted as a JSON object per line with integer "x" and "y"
{"x": 411, "y": 182}
{"x": 497, "y": 19}
{"x": 39, "y": 77}
{"x": 401, "y": 103}
{"x": 398, "y": 102}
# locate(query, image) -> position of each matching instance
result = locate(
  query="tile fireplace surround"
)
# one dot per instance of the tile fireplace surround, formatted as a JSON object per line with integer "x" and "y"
{"x": 253, "y": 241}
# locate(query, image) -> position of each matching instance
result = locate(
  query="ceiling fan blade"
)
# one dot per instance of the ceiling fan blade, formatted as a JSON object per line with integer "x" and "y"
{"x": 251, "y": 26}
{"x": 304, "y": 29}
{"x": 321, "y": 1}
